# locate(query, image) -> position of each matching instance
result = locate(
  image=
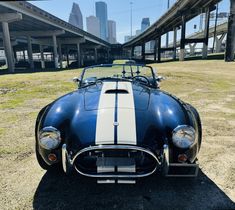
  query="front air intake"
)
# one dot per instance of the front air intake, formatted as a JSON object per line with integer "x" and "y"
{"x": 115, "y": 161}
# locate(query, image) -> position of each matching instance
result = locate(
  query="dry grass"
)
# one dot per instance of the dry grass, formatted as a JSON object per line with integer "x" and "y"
{"x": 208, "y": 85}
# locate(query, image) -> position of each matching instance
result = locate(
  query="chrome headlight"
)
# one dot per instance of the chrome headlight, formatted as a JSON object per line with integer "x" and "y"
{"x": 183, "y": 136}
{"x": 49, "y": 138}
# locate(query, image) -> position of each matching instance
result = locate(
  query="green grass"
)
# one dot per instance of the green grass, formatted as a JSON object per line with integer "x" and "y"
{"x": 208, "y": 85}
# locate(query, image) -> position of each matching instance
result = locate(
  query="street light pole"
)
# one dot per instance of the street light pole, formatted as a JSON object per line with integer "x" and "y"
{"x": 131, "y": 3}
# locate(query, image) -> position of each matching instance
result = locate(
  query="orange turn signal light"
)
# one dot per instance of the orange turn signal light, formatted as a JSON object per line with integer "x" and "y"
{"x": 52, "y": 157}
{"x": 182, "y": 158}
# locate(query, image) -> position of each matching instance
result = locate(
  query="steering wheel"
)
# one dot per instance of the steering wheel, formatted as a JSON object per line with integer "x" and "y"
{"x": 141, "y": 77}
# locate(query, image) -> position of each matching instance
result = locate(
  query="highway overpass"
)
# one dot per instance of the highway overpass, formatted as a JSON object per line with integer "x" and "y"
{"x": 176, "y": 18}
{"x": 29, "y": 29}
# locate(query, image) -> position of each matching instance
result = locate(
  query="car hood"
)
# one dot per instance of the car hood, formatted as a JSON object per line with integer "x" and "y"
{"x": 112, "y": 113}
{"x": 105, "y": 95}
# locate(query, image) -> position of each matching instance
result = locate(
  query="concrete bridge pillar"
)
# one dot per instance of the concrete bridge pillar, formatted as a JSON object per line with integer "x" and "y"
{"x": 182, "y": 41}
{"x": 79, "y": 54}
{"x": 96, "y": 56}
{"x": 30, "y": 52}
{"x": 15, "y": 59}
{"x": 159, "y": 40}
{"x": 132, "y": 52}
{"x": 60, "y": 55}
{"x": 55, "y": 52}
{"x": 192, "y": 48}
{"x": 82, "y": 57}
{"x": 143, "y": 51}
{"x": 206, "y": 34}
{"x": 174, "y": 43}
{"x": 42, "y": 56}
{"x": 108, "y": 54}
{"x": 230, "y": 44}
{"x": 155, "y": 50}
{"x": 218, "y": 43}
{"x": 5, "y": 19}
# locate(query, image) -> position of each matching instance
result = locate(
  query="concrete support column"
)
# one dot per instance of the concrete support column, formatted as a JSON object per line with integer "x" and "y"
{"x": 132, "y": 52}
{"x": 155, "y": 50}
{"x": 42, "y": 56}
{"x": 7, "y": 47}
{"x": 143, "y": 51}
{"x": 15, "y": 55}
{"x": 79, "y": 54}
{"x": 67, "y": 56}
{"x": 30, "y": 53}
{"x": 182, "y": 40}
{"x": 5, "y": 19}
{"x": 108, "y": 54}
{"x": 24, "y": 54}
{"x": 82, "y": 58}
{"x": 206, "y": 34}
{"x": 218, "y": 43}
{"x": 230, "y": 43}
{"x": 159, "y": 40}
{"x": 192, "y": 48}
{"x": 96, "y": 56}
{"x": 174, "y": 43}
{"x": 55, "y": 52}
{"x": 60, "y": 56}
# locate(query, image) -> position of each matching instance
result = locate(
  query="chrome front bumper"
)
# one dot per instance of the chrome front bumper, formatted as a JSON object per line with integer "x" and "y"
{"x": 68, "y": 162}
{"x": 171, "y": 169}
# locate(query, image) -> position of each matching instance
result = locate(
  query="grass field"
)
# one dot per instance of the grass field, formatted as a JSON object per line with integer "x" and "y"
{"x": 208, "y": 85}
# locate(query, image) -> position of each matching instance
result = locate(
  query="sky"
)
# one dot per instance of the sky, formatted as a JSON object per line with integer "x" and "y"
{"x": 119, "y": 11}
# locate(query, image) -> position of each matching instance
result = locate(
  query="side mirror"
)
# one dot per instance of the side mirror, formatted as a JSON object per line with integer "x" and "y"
{"x": 76, "y": 80}
{"x": 160, "y": 78}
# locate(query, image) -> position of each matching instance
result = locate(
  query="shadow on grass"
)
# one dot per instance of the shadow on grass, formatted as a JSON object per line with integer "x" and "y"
{"x": 57, "y": 191}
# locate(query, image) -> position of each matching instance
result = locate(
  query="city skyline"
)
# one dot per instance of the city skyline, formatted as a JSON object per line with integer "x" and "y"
{"x": 75, "y": 17}
{"x": 112, "y": 32}
{"x": 120, "y": 12}
{"x": 93, "y": 25}
{"x": 101, "y": 12}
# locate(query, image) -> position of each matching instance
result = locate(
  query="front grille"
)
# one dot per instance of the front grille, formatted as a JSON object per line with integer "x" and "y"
{"x": 115, "y": 161}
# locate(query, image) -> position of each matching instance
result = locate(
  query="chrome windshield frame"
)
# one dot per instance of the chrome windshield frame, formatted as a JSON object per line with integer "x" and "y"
{"x": 114, "y": 65}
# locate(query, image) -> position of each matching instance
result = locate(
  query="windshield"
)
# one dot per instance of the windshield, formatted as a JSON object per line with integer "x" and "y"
{"x": 129, "y": 72}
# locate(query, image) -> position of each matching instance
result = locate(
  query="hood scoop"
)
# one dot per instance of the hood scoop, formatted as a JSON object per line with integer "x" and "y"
{"x": 124, "y": 95}
{"x": 116, "y": 91}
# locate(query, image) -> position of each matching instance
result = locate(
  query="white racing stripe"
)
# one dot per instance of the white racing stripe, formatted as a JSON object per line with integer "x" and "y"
{"x": 105, "y": 115}
{"x": 126, "y": 123}
{"x": 126, "y": 115}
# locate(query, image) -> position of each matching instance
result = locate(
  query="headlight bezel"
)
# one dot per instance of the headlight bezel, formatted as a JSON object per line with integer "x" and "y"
{"x": 184, "y": 142}
{"x": 49, "y": 138}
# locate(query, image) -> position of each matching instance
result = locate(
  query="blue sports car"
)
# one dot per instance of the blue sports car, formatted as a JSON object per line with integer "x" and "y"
{"x": 118, "y": 126}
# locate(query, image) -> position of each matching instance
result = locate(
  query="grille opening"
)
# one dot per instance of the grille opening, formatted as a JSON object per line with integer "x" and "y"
{"x": 131, "y": 162}
{"x": 115, "y": 91}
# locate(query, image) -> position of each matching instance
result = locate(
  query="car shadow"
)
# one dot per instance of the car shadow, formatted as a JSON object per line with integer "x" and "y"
{"x": 58, "y": 191}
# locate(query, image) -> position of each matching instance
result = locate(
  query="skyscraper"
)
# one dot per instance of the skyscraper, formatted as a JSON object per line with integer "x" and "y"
{"x": 75, "y": 17}
{"x": 112, "y": 32}
{"x": 101, "y": 13}
{"x": 145, "y": 24}
{"x": 93, "y": 25}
